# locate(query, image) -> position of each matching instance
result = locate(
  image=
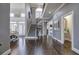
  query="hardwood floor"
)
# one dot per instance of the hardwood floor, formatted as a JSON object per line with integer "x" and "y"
{"x": 43, "y": 46}
{"x": 67, "y": 48}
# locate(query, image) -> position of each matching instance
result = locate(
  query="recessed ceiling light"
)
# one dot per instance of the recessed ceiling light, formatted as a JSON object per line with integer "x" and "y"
{"x": 22, "y": 14}
{"x": 49, "y": 12}
{"x": 39, "y": 9}
{"x": 11, "y": 14}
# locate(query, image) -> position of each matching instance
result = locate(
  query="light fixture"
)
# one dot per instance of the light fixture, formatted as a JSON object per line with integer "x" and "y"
{"x": 38, "y": 12}
{"x": 11, "y": 14}
{"x": 22, "y": 14}
{"x": 39, "y": 9}
{"x": 49, "y": 12}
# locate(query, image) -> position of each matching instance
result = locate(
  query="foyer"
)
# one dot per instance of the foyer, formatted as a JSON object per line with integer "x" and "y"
{"x": 39, "y": 29}
{"x": 40, "y": 47}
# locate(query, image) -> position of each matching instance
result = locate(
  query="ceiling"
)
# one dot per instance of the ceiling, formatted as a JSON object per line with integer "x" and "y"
{"x": 36, "y": 5}
{"x": 50, "y": 8}
{"x": 33, "y": 7}
{"x": 17, "y": 8}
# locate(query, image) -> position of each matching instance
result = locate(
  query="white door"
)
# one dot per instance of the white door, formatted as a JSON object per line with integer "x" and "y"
{"x": 21, "y": 29}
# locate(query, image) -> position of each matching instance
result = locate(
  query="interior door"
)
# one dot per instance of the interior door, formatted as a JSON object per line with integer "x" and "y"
{"x": 21, "y": 29}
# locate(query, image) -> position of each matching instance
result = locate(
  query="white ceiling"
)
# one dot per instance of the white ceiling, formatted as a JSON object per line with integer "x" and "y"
{"x": 17, "y": 8}
{"x": 36, "y": 5}
{"x": 51, "y": 7}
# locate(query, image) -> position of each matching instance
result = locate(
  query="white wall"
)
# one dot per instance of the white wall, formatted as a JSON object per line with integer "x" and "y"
{"x": 44, "y": 28}
{"x": 50, "y": 29}
{"x": 27, "y": 20}
{"x": 58, "y": 16}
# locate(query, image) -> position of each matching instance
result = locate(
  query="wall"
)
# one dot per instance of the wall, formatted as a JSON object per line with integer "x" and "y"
{"x": 57, "y": 16}
{"x": 17, "y": 19}
{"x": 50, "y": 32}
{"x": 44, "y": 28}
{"x": 4, "y": 27}
{"x": 33, "y": 15}
{"x": 27, "y": 20}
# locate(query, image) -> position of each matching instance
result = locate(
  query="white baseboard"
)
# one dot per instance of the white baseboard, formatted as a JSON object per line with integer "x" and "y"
{"x": 75, "y": 50}
{"x": 57, "y": 40}
{"x": 31, "y": 38}
{"x": 7, "y": 52}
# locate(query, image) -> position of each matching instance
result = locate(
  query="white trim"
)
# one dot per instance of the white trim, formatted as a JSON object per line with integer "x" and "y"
{"x": 62, "y": 27}
{"x": 59, "y": 7}
{"x": 72, "y": 36}
{"x": 62, "y": 30}
{"x": 44, "y": 10}
{"x": 57, "y": 40}
{"x": 31, "y": 38}
{"x": 7, "y": 52}
{"x": 72, "y": 29}
{"x": 76, "y": 50}
{"x": 28, "y": 28}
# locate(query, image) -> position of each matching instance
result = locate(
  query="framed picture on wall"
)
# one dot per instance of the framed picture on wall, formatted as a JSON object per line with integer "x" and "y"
{"x": 56, "y": 24}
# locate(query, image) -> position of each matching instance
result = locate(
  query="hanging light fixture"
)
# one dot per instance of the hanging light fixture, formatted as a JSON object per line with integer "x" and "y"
{"x": 11, "y": 14}
{"x": 22, "y": 14}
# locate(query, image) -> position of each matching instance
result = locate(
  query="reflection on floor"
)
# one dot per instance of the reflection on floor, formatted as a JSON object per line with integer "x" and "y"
{"x": 43, "y": 46}
{"x": 67, "y": 48}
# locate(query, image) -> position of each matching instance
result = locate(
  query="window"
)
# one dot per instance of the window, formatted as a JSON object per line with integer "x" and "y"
{"x": 18, "y": 27}
{"x": 13, "y": 26}
{"x": 38, "y": 12}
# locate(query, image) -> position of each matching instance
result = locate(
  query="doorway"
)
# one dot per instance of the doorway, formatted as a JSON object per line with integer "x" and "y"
{"x": 67, "y": 32}
{"x": 18, "y": 27}
{"x": 21, "y": 28}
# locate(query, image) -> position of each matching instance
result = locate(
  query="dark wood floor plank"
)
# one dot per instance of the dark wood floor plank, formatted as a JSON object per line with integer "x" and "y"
{"x": 43, "y": 46}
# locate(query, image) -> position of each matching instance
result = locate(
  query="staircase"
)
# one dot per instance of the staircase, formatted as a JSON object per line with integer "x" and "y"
{"x": 32, "y": 30}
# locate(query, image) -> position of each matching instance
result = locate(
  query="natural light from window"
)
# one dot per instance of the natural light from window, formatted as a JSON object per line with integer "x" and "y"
{"x": 38, "y": 12}
{"x": 11, "y": 14}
